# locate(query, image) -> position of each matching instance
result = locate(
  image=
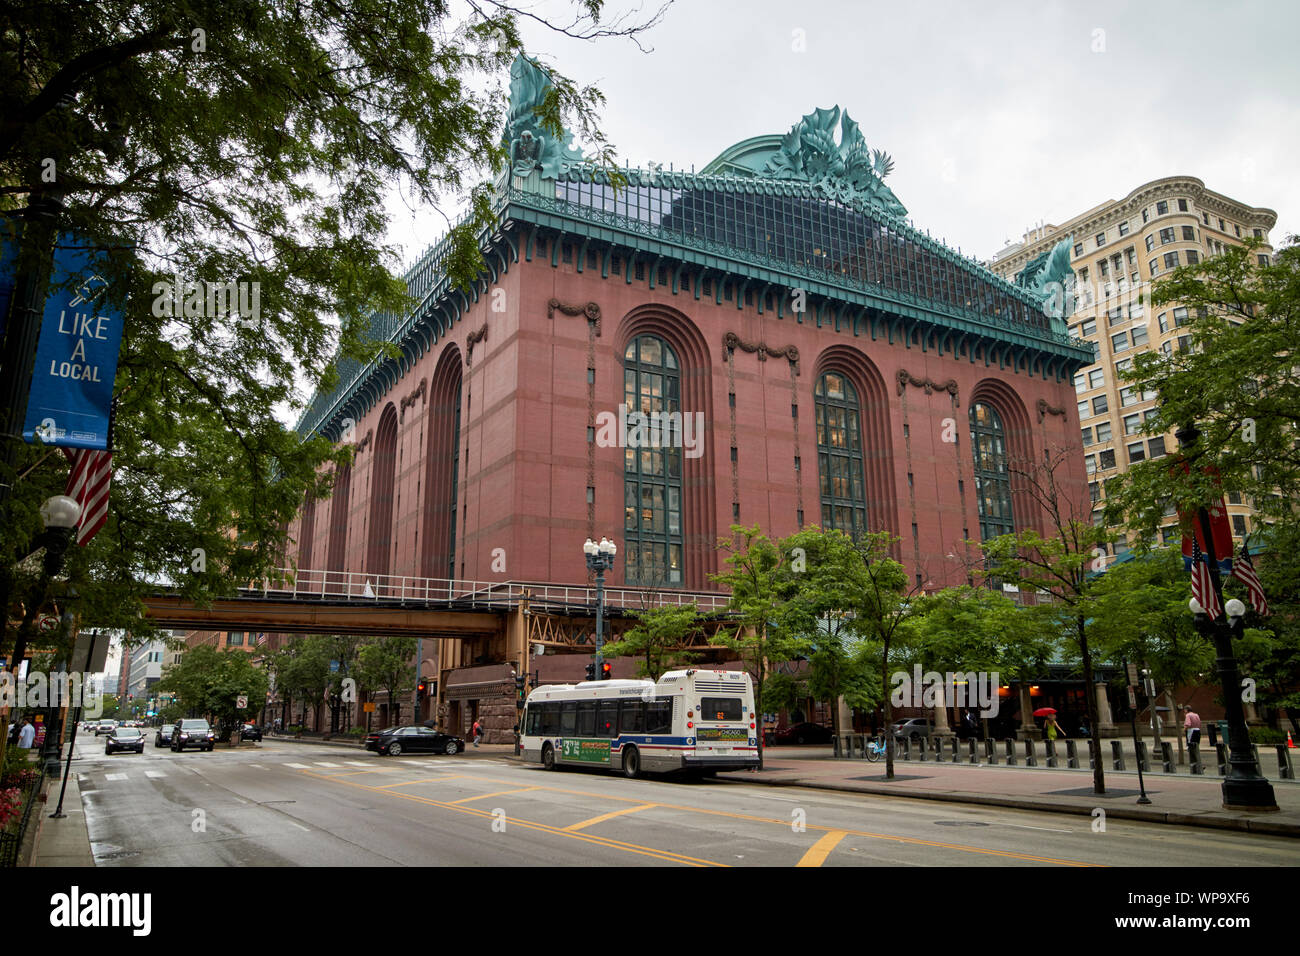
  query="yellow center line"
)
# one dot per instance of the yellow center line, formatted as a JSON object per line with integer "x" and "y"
{"x": 822, "y": 849}
{"x": 652, "y": 852}
{"x": 412, "y": 783}
{"x": 484, "y": 796}
{"x": 608, "y": 816}
{"x": 913, "y": 841}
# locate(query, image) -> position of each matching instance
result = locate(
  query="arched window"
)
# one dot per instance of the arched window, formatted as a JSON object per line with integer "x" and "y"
{"x": 839, "y": 455}
{"x": 383, "y": 474}
{"x": 992, "y": 481}
{"x": 652, "y": 464}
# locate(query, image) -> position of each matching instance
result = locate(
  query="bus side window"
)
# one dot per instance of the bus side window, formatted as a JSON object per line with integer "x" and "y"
{"x": 633, "y": 718}
{"x": 568, "y": 718}
{"x": 533, "y": 719}
{"x": 586, "y": 718}
{"x": 550, "y": 718}
{"x": 607, "y": 718}
{"x": 659, "y": 717}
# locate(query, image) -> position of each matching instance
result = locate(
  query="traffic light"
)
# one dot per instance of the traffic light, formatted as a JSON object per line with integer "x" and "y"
{"x": 591, "y": 671}
{"x": 606, "y": 670}
{"x": 421, "y": 689}
{"x": 520, "y": 681}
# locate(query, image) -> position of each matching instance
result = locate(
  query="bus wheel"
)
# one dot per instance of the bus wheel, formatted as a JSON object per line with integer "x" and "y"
{"x": 631, "y": 763}
{"x": 548, "y": 757}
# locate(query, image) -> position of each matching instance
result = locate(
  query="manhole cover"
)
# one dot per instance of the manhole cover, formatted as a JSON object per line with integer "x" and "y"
{"x": 959, "y": 823}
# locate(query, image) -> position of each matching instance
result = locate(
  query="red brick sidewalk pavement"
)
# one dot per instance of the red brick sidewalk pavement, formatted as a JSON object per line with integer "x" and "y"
{"x": 1180, "y": 799}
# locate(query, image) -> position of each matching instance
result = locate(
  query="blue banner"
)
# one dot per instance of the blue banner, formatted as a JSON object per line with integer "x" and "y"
{"x": 76, "y": 359}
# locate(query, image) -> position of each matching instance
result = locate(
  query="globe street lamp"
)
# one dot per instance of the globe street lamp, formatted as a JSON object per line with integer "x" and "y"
{"x": 600, "y": 558}
{"x": 1244, "y": 787}
{"x": 59, "y": 514}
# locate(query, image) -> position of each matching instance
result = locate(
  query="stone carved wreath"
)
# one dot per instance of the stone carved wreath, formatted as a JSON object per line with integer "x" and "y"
{"x": 591, "y": 310}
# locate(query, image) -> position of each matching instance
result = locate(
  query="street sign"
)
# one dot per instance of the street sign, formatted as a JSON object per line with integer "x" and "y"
{"x": 241, "y": 701}
{"x": 1132, "y": 673}
{"x": 368, "y": 707}
{"x": 1132, "y": 699}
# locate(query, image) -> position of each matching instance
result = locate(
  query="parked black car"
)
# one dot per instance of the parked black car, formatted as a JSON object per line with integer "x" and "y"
{"x": 804, "y": 733}
{"x": 251, "y": 732}
{"x": 399, "y": 740}
{"x": 193, "y": 732}
{"x": 125, "y": 738}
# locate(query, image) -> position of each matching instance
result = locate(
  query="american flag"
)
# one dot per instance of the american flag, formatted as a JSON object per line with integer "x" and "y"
{"x": 88, "y": 485}
{"x": 1244, "y": 571}
{"x": 1203, "y": 584}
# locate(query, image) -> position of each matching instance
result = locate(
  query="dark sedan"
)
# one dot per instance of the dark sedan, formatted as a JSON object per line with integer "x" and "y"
{"x": 251, "y": 732}
{"x": 125, "y": 738}
{"x": 409, "y": 740}
{"x": 804, "y": 734}
{"x": 164, "y": 736}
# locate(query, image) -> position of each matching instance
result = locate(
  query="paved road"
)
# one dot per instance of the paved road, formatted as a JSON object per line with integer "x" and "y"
{"x": 294, "y": 804}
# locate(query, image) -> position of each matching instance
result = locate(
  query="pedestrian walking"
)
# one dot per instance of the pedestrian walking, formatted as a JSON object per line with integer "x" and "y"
{"x": 477, "y": 732}
{"x": 1052, "y": 727}
{"x": 1192, "y": 726}
{"x": 26, "y": 735}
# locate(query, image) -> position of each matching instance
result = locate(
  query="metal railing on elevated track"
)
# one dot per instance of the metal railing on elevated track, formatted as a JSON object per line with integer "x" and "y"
{"x": 390, "y": 589}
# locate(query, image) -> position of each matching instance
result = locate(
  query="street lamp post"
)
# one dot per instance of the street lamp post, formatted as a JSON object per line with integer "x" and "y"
{"x": 59, "y": 514}
{"x": 600, "y": 558}
{"x": 1244, "y": 787}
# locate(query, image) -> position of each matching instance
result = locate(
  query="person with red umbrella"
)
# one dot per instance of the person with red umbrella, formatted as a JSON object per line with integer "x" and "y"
{"x": 1052, "y": 728}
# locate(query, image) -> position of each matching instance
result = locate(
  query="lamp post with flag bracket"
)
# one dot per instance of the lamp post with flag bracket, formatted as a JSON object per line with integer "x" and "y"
{"x": 1244, "y": 787}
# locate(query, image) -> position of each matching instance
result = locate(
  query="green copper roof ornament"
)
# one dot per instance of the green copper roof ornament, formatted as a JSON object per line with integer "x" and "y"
{"x": 530, "y": 144}
{"x": 1050, "y": 277}
{"x": 847, "y": 170}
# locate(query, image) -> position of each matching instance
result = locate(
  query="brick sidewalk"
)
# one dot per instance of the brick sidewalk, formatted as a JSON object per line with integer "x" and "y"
{"x": 1178, "y": 799}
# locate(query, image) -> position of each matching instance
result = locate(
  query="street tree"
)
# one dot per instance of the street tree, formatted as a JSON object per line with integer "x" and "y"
{"x": 659, "y": 640}
{"x": 252, "y": 143}
{"x": 208, "y": 682}
{"x": 1238, "y": 383}
{"x": 387, "y": 665}
{"x": 1056, "y": 565}
{"x": 762, "y": 587}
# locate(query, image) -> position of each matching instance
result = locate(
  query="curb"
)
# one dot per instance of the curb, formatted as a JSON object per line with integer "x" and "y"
{"x": 1190, "y": 818}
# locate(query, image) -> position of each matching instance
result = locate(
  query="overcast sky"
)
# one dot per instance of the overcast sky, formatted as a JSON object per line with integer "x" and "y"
{"x": 997, "y": 115}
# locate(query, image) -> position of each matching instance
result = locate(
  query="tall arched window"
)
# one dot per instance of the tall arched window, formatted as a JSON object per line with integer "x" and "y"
{"x": 652, "y": 469}
{"x": 382, "y": 474}
{"x": 992, "y": 480}
{"x": 839, "y": 455}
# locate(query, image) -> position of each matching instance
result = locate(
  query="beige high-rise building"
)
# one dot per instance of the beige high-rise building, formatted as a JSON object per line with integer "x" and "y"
{"x": 1118, "y": 248}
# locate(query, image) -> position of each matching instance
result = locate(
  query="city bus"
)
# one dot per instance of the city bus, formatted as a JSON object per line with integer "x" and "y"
{"x": 696, "y": 721}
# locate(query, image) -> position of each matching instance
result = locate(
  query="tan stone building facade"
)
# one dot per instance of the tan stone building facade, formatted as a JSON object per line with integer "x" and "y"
{"x": 1118, "y": 249}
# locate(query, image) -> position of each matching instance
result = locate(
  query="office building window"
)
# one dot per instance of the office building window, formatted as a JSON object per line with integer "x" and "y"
{"x": 1119, "y": 341}
{"x": 1171, "y": 260}
{"x": 992, "y": 478}
{"x": 1123, "y": 228}
{"x": 1239, "y": 526}
{"x": 1167, "y": 236}
{"x": 1189, "y": 234}
{"x": 1106, "y": 460}
{"x": 1078, "y": 249}
{"x": 1182, "y": 205}
{"x": 1156, "y": 448}
{"x": 1151, "y": 243}
{"x": 839, "y": 455}
{"x": 1132, "y": 424}
{"x": 1085, "y": 410}
{"x": 1101, "y": 239}
{"x": 1096, "y": 378}
{"x": 1128, "y": 396}
{"x": 652, "y": 476}
{"x": 1103, "y": 432}
{"x": 1099, "y": 404}
{"x": 1139, "y": 335}
{"x": 1162, "y": 207}
{"x": 1080, "y": 383}
{"x": 1137, "y": 452}
{"x": 1193, "y": 257}
{"x": 1087, "y": 436}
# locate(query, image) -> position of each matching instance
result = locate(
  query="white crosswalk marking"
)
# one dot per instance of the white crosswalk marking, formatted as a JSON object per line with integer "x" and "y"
{"x": 326, "y": 763}
{"x": 154, "y": 773}
{"x": 358, "y": 763}
{"x": 298, "y": 766}
{"x": 116, "y": 776}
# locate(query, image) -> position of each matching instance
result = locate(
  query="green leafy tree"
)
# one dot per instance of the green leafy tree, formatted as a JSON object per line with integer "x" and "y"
{"x": 826, "y": 571}
{"x": 659, "y": 639}
{"x": 302, "y": 670}
{"x": 1239, "y": 383}
{"x": 208, "y": 682}
{"x": 883, "y": 600}
{"x": 386, "y": 664}
{"x": 761, "y": 589}
{"x": 966, "y": 629}
{"x": 256, "y": 143}
{"x": 1270, "y": 649}
{"x": 1057, "y": 565}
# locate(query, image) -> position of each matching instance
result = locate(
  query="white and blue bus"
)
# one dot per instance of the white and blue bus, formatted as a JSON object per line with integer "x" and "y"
{"x": 698, "y": 721}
